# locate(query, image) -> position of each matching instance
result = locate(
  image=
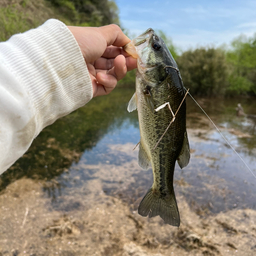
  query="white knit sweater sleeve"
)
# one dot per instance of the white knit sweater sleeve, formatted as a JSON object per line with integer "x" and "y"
{"x": 43, "y": 77}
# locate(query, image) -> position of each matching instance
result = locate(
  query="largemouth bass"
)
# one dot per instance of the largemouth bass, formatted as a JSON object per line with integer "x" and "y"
{"x": 159, "y": 95}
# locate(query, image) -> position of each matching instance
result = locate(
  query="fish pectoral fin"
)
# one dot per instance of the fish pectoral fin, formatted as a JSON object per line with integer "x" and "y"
{"x": 154, "y": 204}
{"x": 132, "y": 105}
{"x": 144, "y": 161}
{"x": 150, "y": 103}
{"x": 184, "y": 156}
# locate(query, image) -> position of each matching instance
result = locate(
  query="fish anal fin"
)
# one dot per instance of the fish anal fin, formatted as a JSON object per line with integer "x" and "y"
{"x": 184, "y": 156}
{"x": 144, "y": 161}
{"x": 153, "y": 204}
{"x": 132, "y": 105}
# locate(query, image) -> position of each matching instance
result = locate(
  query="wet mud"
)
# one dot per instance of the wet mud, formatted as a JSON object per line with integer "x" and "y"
{"x": 101, "y": 224}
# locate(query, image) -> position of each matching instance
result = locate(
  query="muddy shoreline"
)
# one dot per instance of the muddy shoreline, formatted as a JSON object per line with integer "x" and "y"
{"x": 104, "y": 225}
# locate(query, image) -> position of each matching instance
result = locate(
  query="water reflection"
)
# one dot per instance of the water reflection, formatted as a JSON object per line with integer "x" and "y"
{"x": 63, "y": 143}
{"x": 96, "y": 143}
{"x": 221, "y": 179}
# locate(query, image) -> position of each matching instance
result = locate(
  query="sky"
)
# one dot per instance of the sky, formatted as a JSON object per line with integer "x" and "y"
{"x": 191, "y": 24}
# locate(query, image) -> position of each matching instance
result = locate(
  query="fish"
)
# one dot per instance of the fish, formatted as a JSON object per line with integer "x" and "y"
{"x": 160, "y": 101}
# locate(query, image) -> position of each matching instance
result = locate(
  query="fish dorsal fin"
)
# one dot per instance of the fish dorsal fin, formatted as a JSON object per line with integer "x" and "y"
{"x": 184, "y": 156}
{"x": 144, "y": 161}
{"x": 132, "y": 105}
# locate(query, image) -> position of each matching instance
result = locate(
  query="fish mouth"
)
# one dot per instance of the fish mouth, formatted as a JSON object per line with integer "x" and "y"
{"x": 140, "y": 42}
{"x": 137, "y": 44}
{"x": 139, "y": 48}
{"x": 146, "y": 36}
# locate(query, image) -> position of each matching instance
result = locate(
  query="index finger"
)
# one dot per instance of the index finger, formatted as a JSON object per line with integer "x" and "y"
{"x": 114, "y": 35}
{"x": 113, "y": 51}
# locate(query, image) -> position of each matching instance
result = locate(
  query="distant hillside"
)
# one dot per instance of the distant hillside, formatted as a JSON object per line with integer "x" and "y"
{"x": 17, "y": 16}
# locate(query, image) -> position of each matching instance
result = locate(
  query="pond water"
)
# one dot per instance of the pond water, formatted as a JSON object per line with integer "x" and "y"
{"x": 96, "y": 143}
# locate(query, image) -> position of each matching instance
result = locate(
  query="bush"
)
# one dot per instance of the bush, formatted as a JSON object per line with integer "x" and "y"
{"x": 204, "y": 71}
{"x": 242, "y": 63}
{"x": 89, "y": 12}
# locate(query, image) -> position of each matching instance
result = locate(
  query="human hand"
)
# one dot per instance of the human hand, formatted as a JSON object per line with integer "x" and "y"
{"x": 107, "y": 62}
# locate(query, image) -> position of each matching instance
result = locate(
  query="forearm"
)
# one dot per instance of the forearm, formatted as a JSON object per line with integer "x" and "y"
{"x": 43, "y": 77}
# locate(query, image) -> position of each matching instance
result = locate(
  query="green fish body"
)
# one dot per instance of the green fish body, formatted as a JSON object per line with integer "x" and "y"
{"x": 159, "y": 87}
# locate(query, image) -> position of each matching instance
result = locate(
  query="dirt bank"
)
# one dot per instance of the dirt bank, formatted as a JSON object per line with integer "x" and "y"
{"x": 99, "y": 224}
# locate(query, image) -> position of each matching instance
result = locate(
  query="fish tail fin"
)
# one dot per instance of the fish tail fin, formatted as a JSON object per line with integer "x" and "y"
{"x": 154, "y": 204}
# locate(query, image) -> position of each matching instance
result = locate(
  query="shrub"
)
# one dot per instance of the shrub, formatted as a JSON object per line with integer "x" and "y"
{"x": 204, "y": 71}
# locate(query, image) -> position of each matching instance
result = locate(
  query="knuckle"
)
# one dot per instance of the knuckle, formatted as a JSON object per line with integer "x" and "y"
{"x": 115, "y": 27}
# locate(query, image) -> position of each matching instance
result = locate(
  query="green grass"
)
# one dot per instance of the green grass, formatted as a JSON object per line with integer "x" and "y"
{"x": 19, "y": 16}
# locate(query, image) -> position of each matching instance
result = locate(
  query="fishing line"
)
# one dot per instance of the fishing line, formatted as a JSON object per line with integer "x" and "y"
{"x": 222, "y": 135}
{"x": 226, "y": 140}
{"x": 173, "y": 116}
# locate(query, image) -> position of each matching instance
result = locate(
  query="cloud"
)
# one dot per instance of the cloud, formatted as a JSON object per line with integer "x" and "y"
{"x": 203, "y": 38}
{"x": 248, "y": 25}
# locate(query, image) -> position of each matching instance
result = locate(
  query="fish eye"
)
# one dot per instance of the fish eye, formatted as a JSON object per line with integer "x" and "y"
{"x": 156, "y": 46}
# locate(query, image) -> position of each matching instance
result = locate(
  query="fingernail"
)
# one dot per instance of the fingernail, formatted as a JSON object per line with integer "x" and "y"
{"x": 104, "y": 76}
